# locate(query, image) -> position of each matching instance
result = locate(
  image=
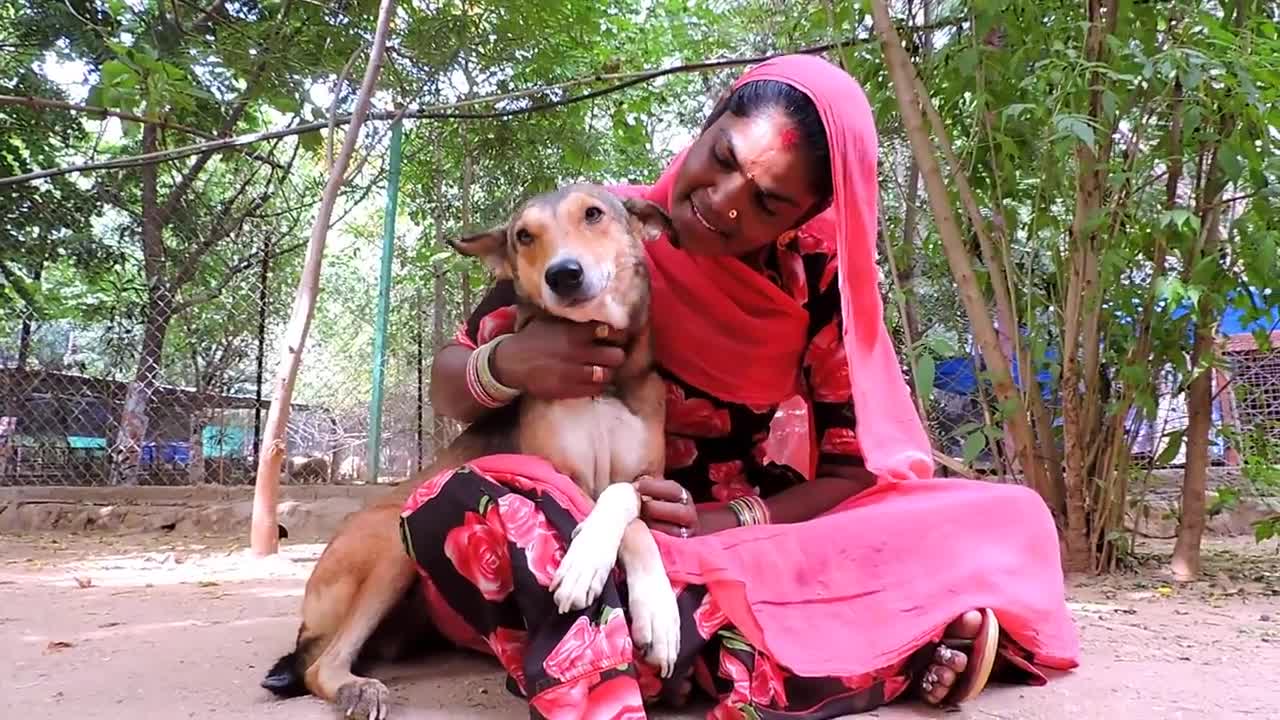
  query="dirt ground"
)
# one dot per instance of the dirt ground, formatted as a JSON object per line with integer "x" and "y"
{"x": 137, "y": 627}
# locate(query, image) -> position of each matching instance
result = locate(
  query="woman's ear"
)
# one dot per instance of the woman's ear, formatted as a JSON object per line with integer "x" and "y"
{"x": 649, "y": 221}
{"x": 489, "y": 246}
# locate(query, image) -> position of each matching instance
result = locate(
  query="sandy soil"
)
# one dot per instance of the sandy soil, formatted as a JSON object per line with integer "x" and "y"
{"x": 156, "y": 627}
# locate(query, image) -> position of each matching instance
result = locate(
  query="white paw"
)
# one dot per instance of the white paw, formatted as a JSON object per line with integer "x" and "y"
{"x": 655, "y": 622}
{"x": 585, "y": 568}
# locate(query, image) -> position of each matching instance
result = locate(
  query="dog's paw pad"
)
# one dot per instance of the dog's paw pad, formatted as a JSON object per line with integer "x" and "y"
{"x": 364, "y": 699}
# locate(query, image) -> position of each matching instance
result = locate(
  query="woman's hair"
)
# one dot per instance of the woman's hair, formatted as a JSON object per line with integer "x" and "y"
{"x": 757, "y": 95}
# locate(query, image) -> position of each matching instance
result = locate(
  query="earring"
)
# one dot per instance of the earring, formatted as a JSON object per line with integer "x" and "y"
{"x": 733, "y": 214}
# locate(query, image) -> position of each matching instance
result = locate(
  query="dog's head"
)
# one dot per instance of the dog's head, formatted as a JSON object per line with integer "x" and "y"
{"x": 576, "y": 252}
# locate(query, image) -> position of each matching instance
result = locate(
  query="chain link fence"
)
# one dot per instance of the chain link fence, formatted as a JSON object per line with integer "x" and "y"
{"x": 140, "y": 340}
{"x": 148, "y": 355}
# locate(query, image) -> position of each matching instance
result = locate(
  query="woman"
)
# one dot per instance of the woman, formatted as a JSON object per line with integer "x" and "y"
{"x": 811, "y": 590}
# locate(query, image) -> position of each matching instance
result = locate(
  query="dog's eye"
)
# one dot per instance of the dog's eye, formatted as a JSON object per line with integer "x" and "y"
{"x": 524, "y": 237}
{"x": 594, "y": 214}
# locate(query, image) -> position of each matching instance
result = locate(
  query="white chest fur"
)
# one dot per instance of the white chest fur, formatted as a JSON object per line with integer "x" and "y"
{"x": 595, "y": 441}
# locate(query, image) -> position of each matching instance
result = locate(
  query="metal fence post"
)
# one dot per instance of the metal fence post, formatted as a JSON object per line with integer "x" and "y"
{"x": 384, "y": 303}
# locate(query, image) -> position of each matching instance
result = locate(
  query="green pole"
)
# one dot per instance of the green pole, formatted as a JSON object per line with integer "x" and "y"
{"x": 384, "y": 303}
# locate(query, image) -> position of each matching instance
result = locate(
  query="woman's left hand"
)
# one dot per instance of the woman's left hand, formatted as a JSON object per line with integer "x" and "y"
{"x": 665, "y": 506}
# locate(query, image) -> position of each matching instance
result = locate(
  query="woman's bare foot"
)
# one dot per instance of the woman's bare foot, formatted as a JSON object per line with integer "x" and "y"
{"x": 948, "y": 663}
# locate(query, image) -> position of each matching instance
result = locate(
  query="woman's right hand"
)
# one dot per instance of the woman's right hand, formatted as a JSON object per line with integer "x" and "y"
{"x": 555, "y": 359}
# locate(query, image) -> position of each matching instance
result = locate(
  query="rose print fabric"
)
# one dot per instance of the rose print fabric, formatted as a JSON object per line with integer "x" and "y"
{"x": 487, "y": 546}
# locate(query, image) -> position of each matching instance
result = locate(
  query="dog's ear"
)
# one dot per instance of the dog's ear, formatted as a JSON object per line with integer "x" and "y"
{"x": 649, "y": 221}
{"x": 489, "y": 246}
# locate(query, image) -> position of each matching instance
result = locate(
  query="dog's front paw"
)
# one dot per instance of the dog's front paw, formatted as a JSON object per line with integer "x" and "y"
{"x": 582, "y": 573}
{"x": 655, "y": 622}
{"x": 364, "y": 699}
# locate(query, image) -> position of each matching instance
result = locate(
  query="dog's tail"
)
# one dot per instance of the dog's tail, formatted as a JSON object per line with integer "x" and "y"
{"x": 287, "y": 678}
{"x": 284, "y": 679}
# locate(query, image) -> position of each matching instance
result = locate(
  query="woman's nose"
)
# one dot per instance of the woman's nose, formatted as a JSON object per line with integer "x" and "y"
{"x": 730, "y": 194}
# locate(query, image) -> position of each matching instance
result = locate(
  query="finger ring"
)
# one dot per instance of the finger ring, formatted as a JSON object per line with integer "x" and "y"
{"x": 684, "y": 496}
{"x": 684, "y": 532}
{"x": 597, "y": 374}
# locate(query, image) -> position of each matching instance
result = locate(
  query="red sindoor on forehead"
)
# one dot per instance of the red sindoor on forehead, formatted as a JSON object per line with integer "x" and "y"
{"x": 788, "y": 138}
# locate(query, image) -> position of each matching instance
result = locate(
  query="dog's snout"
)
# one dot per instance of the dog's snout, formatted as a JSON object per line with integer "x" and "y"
{"x": 565, "y": 277}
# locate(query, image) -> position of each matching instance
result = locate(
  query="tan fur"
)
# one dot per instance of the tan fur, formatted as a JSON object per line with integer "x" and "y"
{"x": 357, "y": 599}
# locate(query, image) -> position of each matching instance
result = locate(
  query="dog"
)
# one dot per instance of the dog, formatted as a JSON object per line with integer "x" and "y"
{"x": 576, "y": 253}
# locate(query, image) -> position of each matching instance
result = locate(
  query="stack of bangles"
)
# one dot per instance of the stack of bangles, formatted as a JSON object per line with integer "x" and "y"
{"x": 750, "y": 510}
{"x": 481, "y": 383}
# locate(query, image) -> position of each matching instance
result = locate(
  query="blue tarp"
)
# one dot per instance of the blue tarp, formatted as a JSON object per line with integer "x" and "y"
{"x": 958, "y": 375}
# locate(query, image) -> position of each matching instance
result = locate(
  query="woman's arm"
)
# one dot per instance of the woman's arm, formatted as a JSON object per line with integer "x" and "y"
{"x": 548, "y": 358}
{"x": 841, "y": 473}
{"x": 663, "y": 510}
{"x": 448, "y": 390}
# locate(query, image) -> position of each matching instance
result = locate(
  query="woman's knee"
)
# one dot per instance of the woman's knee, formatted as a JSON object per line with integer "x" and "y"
{"x": 448, "y": 488}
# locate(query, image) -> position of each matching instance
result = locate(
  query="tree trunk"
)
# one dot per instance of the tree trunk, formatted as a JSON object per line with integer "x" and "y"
{"x": 195, "y": 466}
{"x": 264, "y": 531}
{"x": 907, "y": 258}
{"x": 127, "y": 448}
{"x": 468, "y": 175}
{"x": 1082, "y": 306}
{"x": 27, "y": 329}
{"x": 902, "y": 73}
{"x": 1186, "y": 550}
{"x": 911, "y": 214}
{"x": 126, "y": 452}
{"x": 439, "y": 428}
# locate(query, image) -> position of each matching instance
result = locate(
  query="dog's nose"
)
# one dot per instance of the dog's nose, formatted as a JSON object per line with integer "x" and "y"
{"x": 565, "y": 277}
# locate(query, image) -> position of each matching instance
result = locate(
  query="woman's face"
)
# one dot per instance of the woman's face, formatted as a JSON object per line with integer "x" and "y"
{"x": 744, "y": 182}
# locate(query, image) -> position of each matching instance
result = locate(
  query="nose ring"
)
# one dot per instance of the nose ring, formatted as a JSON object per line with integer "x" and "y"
{"x": 733, "y": 214}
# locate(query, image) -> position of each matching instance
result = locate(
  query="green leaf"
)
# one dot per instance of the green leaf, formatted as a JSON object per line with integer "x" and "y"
{"x": 1170, "y": 450}
{"x": 95, "y": 98}
{"x": 926, "y": 369}
{"x": 1266, "y": 529}
{"x": 1176, "y": 218}
{"x": 1011, "y": 112}
{"x": 1230, "y": 162}
{"x": 285, "y": 104}
{"x": 311, "y": 142}
{"x": 941, "y": 346}
{"x": 973, "y": 446}
{"x": 1077, "y": 126}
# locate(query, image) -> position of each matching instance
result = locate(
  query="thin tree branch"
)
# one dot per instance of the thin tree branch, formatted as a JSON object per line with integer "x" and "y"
{"x": 333, "y": 105}
{"x": 449, "y": 111}
{"x": 263, "y": 529}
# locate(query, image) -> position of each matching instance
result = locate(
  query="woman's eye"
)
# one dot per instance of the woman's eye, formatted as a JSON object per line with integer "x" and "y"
{"x": 721, "y": 160}
{"x": 524, "y": 237}
{"x": 764, "y": 205}
{"x": 594, "y": 214}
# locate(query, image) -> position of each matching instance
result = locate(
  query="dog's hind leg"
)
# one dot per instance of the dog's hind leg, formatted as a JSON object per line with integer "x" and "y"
{"x": 330, "y": 676}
